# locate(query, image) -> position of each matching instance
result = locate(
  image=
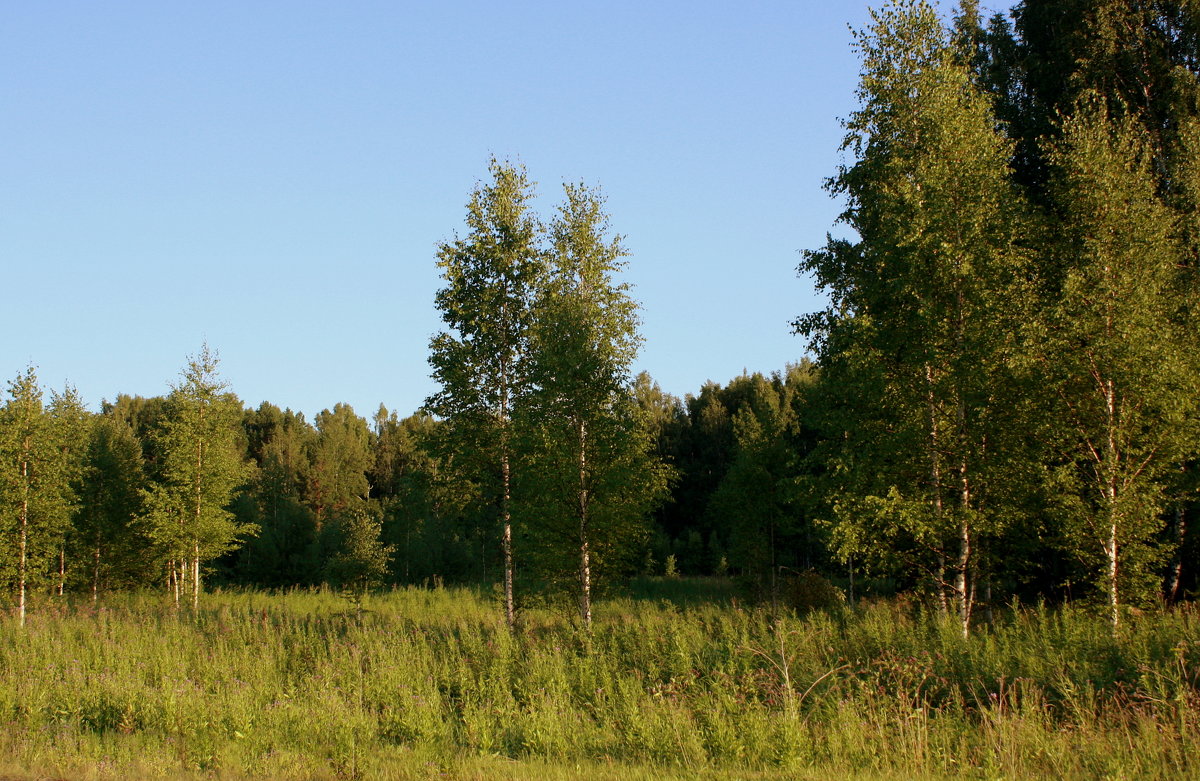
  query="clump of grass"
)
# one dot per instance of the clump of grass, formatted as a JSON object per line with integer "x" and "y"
{"x": 421, "y": 682}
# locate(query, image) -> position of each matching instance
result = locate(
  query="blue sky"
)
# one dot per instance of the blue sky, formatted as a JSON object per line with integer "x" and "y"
{"x": 275, "y": 177}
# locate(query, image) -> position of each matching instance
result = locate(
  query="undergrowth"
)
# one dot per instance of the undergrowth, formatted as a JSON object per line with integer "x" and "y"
{"x": 430, "y": 683}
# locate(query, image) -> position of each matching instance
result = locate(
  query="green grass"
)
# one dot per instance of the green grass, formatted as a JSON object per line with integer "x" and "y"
{"x": 430, "y": 684}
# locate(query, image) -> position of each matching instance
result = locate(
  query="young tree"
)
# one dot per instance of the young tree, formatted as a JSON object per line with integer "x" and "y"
{"x": 362, "y": 559}
{"x": 71, "y": 426}
{"x": 481, "y": 362}
{"x": 202, "y": 463}
{"x": 589, "y": 450}
{"x": 35, "y": 488}
{"x": 1119, "y": 344}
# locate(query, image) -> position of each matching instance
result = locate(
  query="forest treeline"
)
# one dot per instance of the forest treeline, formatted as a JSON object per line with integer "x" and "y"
{"x": 1001, "y": 399}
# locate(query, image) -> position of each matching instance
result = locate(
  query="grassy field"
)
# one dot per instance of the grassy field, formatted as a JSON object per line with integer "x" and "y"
{"x": 430, "y": 684}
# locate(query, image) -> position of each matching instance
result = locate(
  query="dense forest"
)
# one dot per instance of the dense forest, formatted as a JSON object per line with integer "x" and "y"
{"x": 999, "y": 402}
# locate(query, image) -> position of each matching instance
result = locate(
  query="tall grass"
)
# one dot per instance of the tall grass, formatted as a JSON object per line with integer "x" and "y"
{"x": 429, "y": 682}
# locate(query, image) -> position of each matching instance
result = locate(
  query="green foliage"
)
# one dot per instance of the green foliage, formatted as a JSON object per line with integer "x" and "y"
{"x": 587, "y": 481}
{"x": 361, "y": 561}
{"x": 186, "y": 509}
{"x": 490, "y": 278}
{"x": 757, "y": 505}
{"x": 481, "y": 363}
{"x": 110, "y": 544}
{"x": 917, "y": 342}
{"x": 431, "y": 513}
{"x": 341, "y": 458}
{"x": 1139, "y": 59}
{"x": 38, "y": 469}
{"x": 1120, "y": 349}
{"x": 1003, "y": 400}
{"x": 285, "y": 551}
{"x": 1009, "y": 347}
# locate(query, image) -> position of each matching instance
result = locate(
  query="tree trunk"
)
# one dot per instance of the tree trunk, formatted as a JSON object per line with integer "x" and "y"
{"x": 196, "y": 576}
{"x": 510, "y": 613}
{"x": 851, "y": 562}
{"x": 585, "y": 583}
{"x": 96, "y": 572}
{"x": 1110, "y": 490}
{"x": 196, "y": 520}
{"x": 24, "y": 541}
{"x": 964, "y": 584}
{"x": 935, "y": 475}
{"x": 585, "y": 563}
{"x": 1175, "y": 576}
{"x": 1113, "y": 561}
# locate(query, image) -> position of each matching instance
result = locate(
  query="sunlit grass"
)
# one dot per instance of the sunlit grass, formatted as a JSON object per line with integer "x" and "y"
{"x": 430, "y": 683}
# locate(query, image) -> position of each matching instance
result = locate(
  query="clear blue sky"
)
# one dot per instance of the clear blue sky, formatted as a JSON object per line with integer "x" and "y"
{"x": 274, "y": 178}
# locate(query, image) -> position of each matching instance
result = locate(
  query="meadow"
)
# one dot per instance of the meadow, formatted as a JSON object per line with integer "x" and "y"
{"x": 429, "y": 683}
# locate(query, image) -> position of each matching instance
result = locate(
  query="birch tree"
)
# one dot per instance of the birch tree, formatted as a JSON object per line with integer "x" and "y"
{"x": 1120, "y": 346}
{"x": 482, "y": 360}
{"x": 34, "y": 489}
{"x": 590, "y": 481}
{"x": 203, "y": 463}
{"x": 921, "y": 322}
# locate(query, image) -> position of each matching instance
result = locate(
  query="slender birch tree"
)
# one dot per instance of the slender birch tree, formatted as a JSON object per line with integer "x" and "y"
{"x": 1120, "y": 347}
{"x": 31, "y": 494}
{"x": 590, "y": 478}
{"x": 482, "y": 360}
{"x": 203, "y": 463}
